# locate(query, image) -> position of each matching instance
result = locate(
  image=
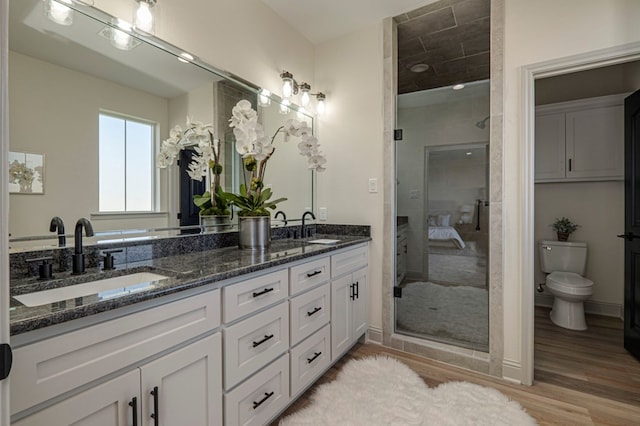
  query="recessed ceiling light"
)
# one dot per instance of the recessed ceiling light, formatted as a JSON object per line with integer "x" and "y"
{"x": 419, "y": 67}
{"x": 469, "y": 153}
{"x": 458, "y": 86}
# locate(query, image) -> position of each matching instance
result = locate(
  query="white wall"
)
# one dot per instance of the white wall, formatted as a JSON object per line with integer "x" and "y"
{"x": 449, "y": 123}
{"x": 535, "y": 32}
{"x": 245, "y": 37}
{"x": 351, "y": 136}
{"x": 71, "y": 152}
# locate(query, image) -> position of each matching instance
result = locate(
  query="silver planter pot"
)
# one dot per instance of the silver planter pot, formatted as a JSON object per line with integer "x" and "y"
{"x": 214, "y": 223}
{"x": 254, "y": 232}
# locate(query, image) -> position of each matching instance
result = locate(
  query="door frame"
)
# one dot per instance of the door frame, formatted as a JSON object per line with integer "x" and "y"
{"x": 4, "y": 200}
{"x": 530, "y": 73}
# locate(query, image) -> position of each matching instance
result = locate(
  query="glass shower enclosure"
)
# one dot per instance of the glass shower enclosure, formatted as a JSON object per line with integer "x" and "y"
{"x": 443, "y": 216}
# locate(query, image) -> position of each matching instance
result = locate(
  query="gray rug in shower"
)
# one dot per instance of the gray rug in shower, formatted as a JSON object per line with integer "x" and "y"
{"x": 447, "y": 313}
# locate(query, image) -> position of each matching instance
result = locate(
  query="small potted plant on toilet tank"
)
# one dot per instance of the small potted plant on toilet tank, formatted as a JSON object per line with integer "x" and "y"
{"x": 564, "y": 227}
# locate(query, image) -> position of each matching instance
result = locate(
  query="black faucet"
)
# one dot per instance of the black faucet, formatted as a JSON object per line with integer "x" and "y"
{"x": 58, "y": 224}
{"x": 284, "y": 216}
{"x": 78, "y": 257}
{"x": 302, "y": 234}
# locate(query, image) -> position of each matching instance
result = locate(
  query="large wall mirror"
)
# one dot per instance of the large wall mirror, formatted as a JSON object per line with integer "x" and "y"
{"x": 65, "y": 77}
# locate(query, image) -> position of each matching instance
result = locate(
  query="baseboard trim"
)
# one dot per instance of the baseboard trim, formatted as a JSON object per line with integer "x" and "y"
{"x": 512, "y": 371}
{"x": 590, "y": 306}
{"x": 374, "y": 335}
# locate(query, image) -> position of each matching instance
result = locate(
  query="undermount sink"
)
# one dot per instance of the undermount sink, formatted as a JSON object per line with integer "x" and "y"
{"x": 107, "y": 288}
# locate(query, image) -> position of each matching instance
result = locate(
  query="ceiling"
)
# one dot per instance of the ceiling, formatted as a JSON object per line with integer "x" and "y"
{"x": 450, "y": 36}
{"x": 320, "y": 21}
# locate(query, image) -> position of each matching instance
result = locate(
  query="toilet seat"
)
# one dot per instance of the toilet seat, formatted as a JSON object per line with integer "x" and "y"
{"x": 570, "y": 283}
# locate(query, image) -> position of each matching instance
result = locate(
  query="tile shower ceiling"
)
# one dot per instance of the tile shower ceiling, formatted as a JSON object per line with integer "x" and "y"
{"x": 451, "y": 36}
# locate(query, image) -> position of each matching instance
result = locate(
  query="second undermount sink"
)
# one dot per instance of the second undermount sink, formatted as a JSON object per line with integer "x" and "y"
{"x": 107, "y": 288}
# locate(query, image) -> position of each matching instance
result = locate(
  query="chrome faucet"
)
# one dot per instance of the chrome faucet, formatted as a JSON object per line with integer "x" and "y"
{"x": 58, "y": 224}
{"x": 302, "y": 233}
{"x": 78, "y": 257}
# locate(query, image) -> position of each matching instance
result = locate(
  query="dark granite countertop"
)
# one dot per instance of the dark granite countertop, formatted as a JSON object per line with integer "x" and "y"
{"x": 184, "y": 272}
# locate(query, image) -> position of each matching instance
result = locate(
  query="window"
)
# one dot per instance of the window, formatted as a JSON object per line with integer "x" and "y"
{"x": 126, "y": 164}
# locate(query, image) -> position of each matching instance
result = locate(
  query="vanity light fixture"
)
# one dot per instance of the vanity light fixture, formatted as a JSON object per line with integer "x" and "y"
{"x": 185, "y": 57}
{"x": 291, "y": 87}
{"x": 264, "y": 97}
{"x": 143, "y": 20}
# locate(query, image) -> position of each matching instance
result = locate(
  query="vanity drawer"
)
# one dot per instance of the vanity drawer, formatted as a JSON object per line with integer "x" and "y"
{"x": 255, "y": 342}
{"x": 310, "y": 359}
{"x": 53, "y": 366}
{"x": 349, "y": 261}
{"x": 309, "y": 312}
{"x": 308, "y": 275}
{"x": 261, "y": 397}
{"x": 249, "y": 296}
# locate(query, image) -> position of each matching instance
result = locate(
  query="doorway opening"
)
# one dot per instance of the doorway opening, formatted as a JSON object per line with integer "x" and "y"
{"x": 579, "y": 174}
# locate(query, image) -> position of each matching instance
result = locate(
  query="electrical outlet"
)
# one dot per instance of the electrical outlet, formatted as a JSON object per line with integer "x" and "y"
{"x": 373, "y": 185}
{"x": 322, "y": 213}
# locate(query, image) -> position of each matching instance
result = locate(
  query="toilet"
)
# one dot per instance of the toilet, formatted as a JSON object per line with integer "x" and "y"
{"x": 566, "y": 262}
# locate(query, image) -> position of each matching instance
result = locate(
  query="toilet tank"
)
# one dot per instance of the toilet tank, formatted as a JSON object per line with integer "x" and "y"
{"x": 563, "y": 256}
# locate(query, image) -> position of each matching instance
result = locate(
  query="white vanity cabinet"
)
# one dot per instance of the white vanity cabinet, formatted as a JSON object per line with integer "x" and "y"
{"x": 234, "y": 355}
{"x": 349, "y": 299}
{"x": 186, "y": 382}
{"x": 580, "y": 140}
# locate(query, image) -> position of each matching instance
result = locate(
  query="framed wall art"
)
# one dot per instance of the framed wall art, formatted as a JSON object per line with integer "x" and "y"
{"x": 26, "y": 173}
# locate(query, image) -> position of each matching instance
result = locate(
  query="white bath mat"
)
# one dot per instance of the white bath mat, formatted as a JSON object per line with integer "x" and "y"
{"x": 384, "y": 391}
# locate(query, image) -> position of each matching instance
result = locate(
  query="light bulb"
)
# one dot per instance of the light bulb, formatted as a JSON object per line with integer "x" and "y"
{"x": 120, "y": 39}
{"x": 304, "y": 97}
{"x": 287, "y": 88}
{"x": 284, "y": 106}
{"x": 264, "y": 97}
{"x": 59, "y": 13}
{"x": 320, "y": 107}
{"x": 143, "y": 20}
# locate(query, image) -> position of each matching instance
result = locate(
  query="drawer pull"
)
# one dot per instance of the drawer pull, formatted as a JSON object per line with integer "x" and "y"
{"x": 265, "y": 291}
{"x": 313, "y": 274}
{"x": 314, "y": 311}
{"x": 154, "y": 415}
{"x": 259, "y": 403}
{"x": 315, "y": 355}
{"x": 134, "y": 410}
{"x": 256, "y": 344}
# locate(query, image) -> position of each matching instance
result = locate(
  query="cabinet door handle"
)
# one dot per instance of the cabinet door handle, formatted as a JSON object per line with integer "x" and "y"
{"x": 154, "y": 415}
{"x": 256, "y": 344}
{"x": 313, "y": 358}
{"x": 356, "y": 290}
{"x": 134, "y": 410}
{"x": 352, "y": 291}
{"x": 259, "y": 403}
{"x": 313, "y": 274}
{"x": 260, "y": 293}
{"x": 569, "y": 164}
{"x": 314, "y": 311}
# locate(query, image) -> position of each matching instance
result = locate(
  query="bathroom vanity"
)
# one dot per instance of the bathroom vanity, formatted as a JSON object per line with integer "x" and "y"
{"x": 228, "y": 337}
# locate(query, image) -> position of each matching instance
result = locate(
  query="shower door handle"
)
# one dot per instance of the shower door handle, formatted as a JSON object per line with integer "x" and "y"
{"x": 629, "y": 236}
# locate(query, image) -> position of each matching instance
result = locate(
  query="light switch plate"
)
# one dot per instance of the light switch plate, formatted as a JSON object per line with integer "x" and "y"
{"x": 322, "y": 213}
{"x": 373, "y": 185}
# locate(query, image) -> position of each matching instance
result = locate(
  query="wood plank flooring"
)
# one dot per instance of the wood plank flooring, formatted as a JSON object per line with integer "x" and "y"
{"x": 581, "y": 378}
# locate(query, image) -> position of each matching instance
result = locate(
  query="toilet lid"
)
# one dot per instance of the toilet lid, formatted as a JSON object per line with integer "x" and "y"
{"x": 568, "y": 279}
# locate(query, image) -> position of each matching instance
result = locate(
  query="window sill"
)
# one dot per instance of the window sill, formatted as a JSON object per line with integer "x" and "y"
{"x": 126, "y": 215}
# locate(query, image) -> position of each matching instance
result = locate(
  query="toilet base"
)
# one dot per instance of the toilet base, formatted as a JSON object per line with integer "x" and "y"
{"x": 568, "y": 314}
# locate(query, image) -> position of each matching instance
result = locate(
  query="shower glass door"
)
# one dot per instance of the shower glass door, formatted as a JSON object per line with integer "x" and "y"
{"x": 443, "y": 216}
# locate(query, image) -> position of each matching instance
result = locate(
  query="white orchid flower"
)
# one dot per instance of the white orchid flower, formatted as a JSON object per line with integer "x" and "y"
{"x": 242, "y": 113}
{"x": 308, "y": 145}
{"x": 316, "y": 161}
{"x": 176, "y": 133}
